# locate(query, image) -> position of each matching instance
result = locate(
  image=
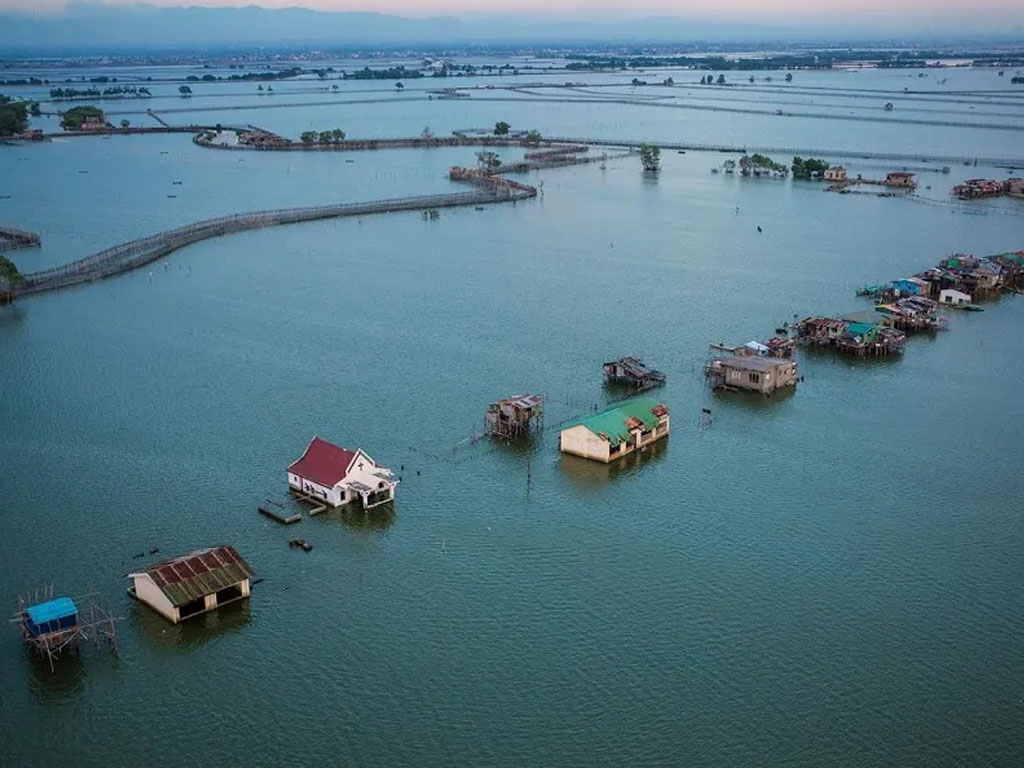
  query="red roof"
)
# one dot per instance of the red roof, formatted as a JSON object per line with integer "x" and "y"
{"x": 323, "y": 463}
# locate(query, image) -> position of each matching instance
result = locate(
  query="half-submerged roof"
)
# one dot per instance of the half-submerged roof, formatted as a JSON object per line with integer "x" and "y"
{"x": 323, "y": 463}
{"x": 199, "y": 573}
{"x": 615, "y": 423}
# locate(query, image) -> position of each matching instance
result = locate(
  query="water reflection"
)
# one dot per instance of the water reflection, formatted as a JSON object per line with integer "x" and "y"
{"x": 59, "y": 685}
{"x": 193, "y": 632}
{"x": 755, "y": 401}
{"x": 366, "y": 520}
{"x": 11, "y": 316}
{"x": 587, "y": 473}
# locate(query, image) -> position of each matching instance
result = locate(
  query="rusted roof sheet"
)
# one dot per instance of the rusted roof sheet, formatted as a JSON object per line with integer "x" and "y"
{"x": 199, "y": 573}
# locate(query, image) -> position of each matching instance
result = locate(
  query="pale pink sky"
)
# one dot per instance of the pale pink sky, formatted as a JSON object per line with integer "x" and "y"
{"x": 781, "y": 11}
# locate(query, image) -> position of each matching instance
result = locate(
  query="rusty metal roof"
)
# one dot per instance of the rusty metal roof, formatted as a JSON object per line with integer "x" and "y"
{"x": 199, "y": 573}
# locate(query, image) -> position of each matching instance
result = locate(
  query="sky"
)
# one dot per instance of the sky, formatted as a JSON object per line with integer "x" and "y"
{"x": 1010, "y": 12}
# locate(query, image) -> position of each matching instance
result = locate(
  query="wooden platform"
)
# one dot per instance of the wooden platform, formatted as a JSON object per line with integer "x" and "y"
{"x": 280, "y": 515}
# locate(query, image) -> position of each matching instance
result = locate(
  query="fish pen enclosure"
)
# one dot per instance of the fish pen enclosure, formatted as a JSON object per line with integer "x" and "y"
{"x": 52, "y": 626}
{"x": 136, "y": 253}
{"x": 515, "y": 416}
{"x": 11, "y": 239}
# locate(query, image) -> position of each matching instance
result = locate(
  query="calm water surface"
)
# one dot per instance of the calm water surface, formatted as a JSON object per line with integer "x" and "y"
{"x": 828, "y": 578}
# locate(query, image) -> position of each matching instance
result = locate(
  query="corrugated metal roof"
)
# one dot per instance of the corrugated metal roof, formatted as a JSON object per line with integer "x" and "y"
{"x": 323, "y": 463}
{"x": 199, "y": 573}
{"x": 612, "y": 424}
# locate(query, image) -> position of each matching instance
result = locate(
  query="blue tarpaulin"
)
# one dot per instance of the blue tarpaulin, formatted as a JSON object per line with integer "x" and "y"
{"x": 51, "y": 616}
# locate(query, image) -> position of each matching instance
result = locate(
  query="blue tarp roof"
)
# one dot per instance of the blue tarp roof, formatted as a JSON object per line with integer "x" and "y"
{"x": 59, "y": 608}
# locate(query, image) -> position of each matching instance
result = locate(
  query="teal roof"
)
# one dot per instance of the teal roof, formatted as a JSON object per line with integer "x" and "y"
{"x": 60, "y": 608}
{"x": 612, "y": 423}
{"x": 859, "y": 329}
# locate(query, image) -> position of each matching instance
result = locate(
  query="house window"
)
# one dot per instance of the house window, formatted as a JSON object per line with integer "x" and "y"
{"x": 613, "y": 449}
{"x": 755, "y": 378}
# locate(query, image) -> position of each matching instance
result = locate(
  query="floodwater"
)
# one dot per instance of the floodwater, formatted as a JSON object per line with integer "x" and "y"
{"x": 829, "y": 577}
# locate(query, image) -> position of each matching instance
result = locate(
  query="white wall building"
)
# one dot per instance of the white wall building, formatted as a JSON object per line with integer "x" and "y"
{"x": 949, "y": 296}
{"x": 338, "y": 476}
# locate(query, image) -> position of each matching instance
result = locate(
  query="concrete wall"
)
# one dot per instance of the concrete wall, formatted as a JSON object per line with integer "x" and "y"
{"x": 580, "y": 441}
{"x": 148, "y": 592}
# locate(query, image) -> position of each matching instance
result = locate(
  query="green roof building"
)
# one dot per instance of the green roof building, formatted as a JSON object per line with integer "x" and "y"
{"x": 618, "y": 431}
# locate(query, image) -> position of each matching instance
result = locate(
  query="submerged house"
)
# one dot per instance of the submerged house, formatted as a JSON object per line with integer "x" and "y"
{"x": 951, "y": 296}
{"x": 755, "y": 373}
{"x": 835, "y": 173}
{"x": 900, "y": 179}
{"x": 631, "y": 372}
{"x": 200, "y": 581}
{"x": 618, "y": 431}
{"x": 338, "y": 476}
{"x": 515, "y": 416}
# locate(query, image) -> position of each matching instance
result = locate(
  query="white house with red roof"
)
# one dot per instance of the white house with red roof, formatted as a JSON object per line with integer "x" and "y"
{"x": 338, "y": 476}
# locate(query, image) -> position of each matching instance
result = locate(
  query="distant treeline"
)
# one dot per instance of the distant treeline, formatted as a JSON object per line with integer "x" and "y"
{"x": 394, "y": 73}
{"x": 809, "y": 60}
{"x": 702, "y": 62}
{"x": 91, "y": 93}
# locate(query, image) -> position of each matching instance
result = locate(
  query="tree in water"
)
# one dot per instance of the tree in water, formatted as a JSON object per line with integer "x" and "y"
{"x": 308, "y": 138}
{"x": 426, "y": 134}
{"x": 488, "y": 161}
{"x": 125, "y": 123}
{"x": 789, "y": 77}
{"x": 185, "y": 91}
{"x": 533, "y": 139}
{"x": 721, "y": 80}
{"x": 650, "y": 157}
{"x": 399, "y": 86}
{"x": 10, "y": 278}
{"x": 337, "y": 135}
{"x": 501, "y": 128}
{"x": 325, "y": 137}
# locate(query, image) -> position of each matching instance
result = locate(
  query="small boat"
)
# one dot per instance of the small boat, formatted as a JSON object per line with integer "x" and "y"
{"x": 972, "y": 308}
{"x": 781, "y": 331}
{"x": 302, "y": 544}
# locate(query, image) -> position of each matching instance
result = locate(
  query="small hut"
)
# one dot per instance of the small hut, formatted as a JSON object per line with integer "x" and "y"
{"x": 755, "y": 373}
{"x": 51, "y": 625}
{"x": 633, "y": 373}
{"x": 192, "y": 584}
{"x": 515, "y": 416}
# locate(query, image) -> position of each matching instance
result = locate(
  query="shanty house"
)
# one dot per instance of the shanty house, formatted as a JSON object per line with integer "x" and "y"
{"x": 835, "y": 173}
{"x": 754, "y": 373}
{"x": 950, "y": 296}
{"x": 631, "y": 372}
{"x": 906, "y": 287}
{"x": 55, "y": 615}
{"x": 200, "y": 581}
{"x": 514, "y": 416}
{"x": 617, "y": 431}
{"x": 338, "y": 476}
{"x": 900, "y": 179}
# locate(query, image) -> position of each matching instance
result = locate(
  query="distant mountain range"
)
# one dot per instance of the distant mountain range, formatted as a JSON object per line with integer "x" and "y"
{"x": 95, "y": 26}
